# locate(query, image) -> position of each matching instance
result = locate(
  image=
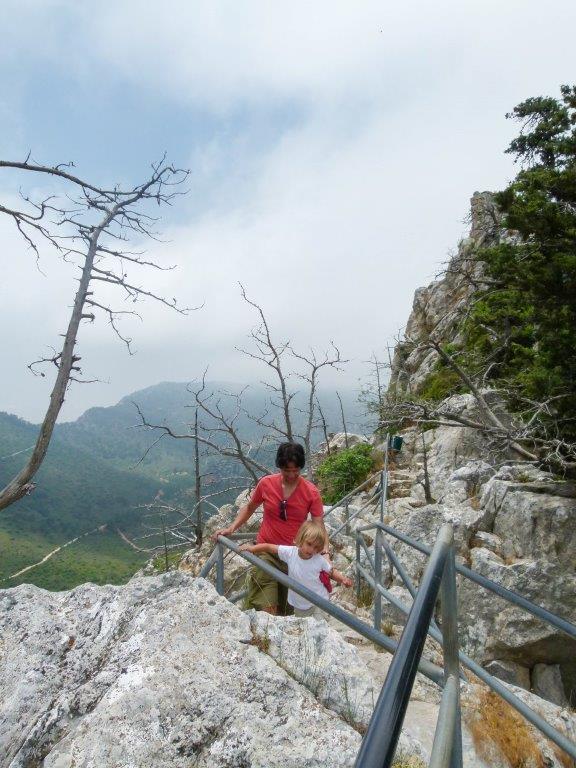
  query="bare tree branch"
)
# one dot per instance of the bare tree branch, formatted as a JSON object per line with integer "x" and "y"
{"x": 107, "y": 213}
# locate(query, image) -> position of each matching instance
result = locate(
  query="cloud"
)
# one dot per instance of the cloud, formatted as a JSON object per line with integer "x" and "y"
{"x": 354, "y": 136}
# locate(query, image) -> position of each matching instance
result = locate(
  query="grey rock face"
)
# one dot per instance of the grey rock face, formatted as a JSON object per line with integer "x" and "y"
{"x": 160, "y": 672}
{"x": 516, "y": 526}
{"x": 437, "y": 305}
{"x": 488, "y": 541}
{"x": 547, "y": 683}
{"x": 532, "y": 520}
{"x": 512, "y": 673}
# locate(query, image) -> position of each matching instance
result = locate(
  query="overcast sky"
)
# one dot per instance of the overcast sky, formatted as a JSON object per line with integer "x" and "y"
{"x": 333, "y": 146}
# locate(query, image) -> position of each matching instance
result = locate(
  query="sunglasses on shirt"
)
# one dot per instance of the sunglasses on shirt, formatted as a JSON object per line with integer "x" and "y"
{"x": 283, "y": 512}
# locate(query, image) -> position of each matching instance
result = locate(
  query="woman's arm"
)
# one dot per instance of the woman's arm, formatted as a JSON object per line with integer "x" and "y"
{"x": 244, "y": 514}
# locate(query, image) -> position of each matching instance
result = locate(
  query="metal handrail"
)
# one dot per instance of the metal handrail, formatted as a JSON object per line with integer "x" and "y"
{"x": 446, "y": 721}
{"x": 430, "y": 670}
{"x": 379, "y": 743}
{"x": 493, "y": 586}
{"x": 407, "y": 659}
{"x": 372, "y": 500}
{"x": 492, "y": 682}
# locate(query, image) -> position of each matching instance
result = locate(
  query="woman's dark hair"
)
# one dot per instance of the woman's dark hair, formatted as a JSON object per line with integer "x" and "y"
{"x": 290, "y": 453}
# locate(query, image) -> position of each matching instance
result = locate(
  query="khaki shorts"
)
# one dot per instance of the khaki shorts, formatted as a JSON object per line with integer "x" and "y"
{"x": 264, "y": 591}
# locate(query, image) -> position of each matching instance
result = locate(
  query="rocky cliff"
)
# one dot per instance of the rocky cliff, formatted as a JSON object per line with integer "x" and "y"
{"x": 437, "y": 307}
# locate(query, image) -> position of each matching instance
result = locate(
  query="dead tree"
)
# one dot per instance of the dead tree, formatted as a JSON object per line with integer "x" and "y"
{"x": 324, "y": 427}
{"x": 278, "y": 420}
{"x": 169, "y": 529}
{"x": 91, "y": 227}
{"x": 312, "y": 370}
{"x": 343, "y": 417}
{"x": 221, "y": 410}
{"x": 523, "y": 433}
{"x": 198, "y": 484}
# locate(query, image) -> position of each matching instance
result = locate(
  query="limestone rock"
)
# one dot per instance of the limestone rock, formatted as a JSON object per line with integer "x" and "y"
{"x": 492, "y": 628}
{"x": 547, "y": 683}
{"x": 436, "y": 306}
{"x": 532, "y": 522}
{"x": 337, "y": 442}
{"x": 488, "y": 541}
{"x": 510, "y": 672}
{"x": 160, "y": 672}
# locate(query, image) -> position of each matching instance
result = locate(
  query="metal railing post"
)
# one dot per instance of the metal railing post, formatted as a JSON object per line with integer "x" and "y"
{"x": 445, "y": 736}
{"x": 384, "y": 486}
{"x": 378, "y": 579}
{"x": 220, "y": 569}
{"x": 357, "y": 574}
{"x": 347, "y": 518}
{"x": 381, "y": 738}
{"x": 449, "y": 606}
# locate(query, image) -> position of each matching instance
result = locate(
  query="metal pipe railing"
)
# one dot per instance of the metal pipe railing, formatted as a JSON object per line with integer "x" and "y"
{"x": 493, "y": 586}
{"x": 493, "y": 683}
{"x": 449, "y": 728}
{"x": 372, "y": 500}
{"x": 379, "y": 743}
{"x": 430, "y": 670}
{"x": 378, "y": 580}
{"x": 362, "y": 544}
{"x": 433, "y": 629}
{"x": 444, "y": 736}
{"x": 449, "y": 607}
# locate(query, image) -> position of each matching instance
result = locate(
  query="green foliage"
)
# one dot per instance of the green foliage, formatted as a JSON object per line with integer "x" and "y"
{"x": 101, "y": 558}
{"x": 440, "y": 383}
{"x": 174, "y": 557}
{"x": 525, "y": 323}
{"x": 75, "y": 492}
{"x": 341, "y": 472}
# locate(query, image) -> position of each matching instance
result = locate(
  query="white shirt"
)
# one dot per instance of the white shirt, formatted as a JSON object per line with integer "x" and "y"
{"x": 307, "y": 572}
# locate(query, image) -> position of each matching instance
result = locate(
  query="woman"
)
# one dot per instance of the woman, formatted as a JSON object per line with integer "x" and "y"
{"x": 288, "y": 499}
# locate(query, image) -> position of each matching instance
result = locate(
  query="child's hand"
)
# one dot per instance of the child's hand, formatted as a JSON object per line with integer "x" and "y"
{"x": 246, "y": 547}
{"x": 346, "y": 582}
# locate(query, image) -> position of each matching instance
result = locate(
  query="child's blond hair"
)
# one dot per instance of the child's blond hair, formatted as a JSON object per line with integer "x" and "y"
{"x": 311, "y": 533}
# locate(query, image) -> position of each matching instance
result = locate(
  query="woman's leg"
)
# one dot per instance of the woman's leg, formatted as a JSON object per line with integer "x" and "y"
{"x": 263, "y": 589}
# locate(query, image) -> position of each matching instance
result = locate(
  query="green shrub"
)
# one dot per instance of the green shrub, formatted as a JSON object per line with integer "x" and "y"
{"x": 440, "y": 383}
{"x": 343, "y": 471}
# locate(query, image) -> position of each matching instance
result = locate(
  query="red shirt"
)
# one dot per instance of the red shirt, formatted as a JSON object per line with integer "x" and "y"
{"x": 304, "y": 499}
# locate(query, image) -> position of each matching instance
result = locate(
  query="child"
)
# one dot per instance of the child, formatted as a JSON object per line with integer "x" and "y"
{"x": 305, "y": 564}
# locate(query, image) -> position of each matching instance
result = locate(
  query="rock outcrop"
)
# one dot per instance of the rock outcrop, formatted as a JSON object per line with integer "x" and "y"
{"x": 436, "y": 307}
{"x": 516, "y": 526}
{"x": 160, "y": 672}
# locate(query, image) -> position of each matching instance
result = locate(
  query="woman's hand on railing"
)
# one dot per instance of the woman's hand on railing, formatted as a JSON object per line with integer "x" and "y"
{"x": 222, "y": 532}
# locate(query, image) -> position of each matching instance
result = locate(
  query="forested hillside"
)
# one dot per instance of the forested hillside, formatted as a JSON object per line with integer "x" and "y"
{"x": 100, "y": 469}
{"x": 75, "y": 492}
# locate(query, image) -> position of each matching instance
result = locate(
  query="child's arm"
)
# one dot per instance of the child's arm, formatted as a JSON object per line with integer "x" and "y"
{"x": 256, "y": 549}
{"x": 339, "y": 578}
